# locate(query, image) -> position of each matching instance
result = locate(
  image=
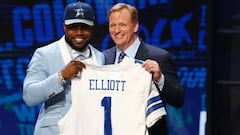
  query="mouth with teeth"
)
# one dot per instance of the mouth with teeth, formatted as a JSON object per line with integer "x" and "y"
{"x": 78, "y": 40}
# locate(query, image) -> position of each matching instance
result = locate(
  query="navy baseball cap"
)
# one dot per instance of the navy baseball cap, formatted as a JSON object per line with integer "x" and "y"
{"x": 79, "y": 12}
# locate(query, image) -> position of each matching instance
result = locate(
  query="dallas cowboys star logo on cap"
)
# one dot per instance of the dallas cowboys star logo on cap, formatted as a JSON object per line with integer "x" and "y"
{"x": 79, "y": 12}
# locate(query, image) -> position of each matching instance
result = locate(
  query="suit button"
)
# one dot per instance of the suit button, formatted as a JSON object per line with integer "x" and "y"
{"x": 51, "y": 95}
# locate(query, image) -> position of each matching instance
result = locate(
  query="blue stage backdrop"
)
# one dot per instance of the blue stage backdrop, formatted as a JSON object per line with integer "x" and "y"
{"x": 179, "y": 26}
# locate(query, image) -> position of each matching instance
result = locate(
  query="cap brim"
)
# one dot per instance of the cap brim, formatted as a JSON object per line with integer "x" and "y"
{"x": 72, "y": 21}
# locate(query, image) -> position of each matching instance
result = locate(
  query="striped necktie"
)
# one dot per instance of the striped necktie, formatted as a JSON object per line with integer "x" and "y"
{"x": 121, "y": 56}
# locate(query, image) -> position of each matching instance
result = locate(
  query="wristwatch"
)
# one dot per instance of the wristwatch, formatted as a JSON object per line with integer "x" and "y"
{"x": 61, "y": 79}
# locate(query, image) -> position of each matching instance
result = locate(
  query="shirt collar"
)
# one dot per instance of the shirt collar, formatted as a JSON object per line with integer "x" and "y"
{"x": 131, "y": 51}
{"x": 83, "y": 55}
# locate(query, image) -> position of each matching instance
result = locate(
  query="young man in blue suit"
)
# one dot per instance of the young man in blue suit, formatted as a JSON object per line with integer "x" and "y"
{"x": 53, "y": 66}
{"x": 123, "y": 27}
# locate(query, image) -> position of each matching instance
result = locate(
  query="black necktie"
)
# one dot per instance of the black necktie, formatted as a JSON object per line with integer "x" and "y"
{"x": 121, "y": 56}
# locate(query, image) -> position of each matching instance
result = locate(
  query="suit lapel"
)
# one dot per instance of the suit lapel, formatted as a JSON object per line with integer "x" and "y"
{"x": 110, "y": 55}
{"x": 142, "y": 53}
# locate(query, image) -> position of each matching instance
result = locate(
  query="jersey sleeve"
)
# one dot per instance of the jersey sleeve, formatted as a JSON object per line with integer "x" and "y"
{"x": 155, "y": 108}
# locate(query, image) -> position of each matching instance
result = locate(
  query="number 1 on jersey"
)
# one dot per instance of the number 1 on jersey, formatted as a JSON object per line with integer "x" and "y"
{"x": 106, "y": 103}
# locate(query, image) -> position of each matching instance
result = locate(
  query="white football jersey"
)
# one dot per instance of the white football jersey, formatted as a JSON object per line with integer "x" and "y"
{"x": 118, "y": 99}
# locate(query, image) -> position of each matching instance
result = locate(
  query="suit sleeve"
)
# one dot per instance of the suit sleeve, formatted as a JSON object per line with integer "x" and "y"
{"x": 172, "y": 92}
{"x": 38, "y": 85}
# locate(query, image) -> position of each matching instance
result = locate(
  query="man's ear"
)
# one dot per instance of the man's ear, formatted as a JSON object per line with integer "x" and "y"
{"x": 64, "y": 27}
{"x": 136, "y": 25}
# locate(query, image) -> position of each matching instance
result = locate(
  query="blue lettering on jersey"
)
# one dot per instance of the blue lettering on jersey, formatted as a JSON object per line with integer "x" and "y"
{"x": 101, "y": 84}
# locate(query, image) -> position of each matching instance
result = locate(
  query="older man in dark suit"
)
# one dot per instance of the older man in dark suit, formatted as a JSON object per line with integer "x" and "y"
{"x": 123, "y": 27}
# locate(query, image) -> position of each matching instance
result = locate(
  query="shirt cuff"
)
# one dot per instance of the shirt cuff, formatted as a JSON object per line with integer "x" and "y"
{"x": 160, "y": 83}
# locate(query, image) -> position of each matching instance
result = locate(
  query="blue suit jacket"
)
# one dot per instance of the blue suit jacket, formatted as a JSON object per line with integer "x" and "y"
{"x": 41, "y": 85}
{"x": 172, "y": 93}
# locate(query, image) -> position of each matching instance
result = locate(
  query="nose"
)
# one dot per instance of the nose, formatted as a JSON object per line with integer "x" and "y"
{"x": 117, "y": 29}
{"x": 78, "y": 30}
